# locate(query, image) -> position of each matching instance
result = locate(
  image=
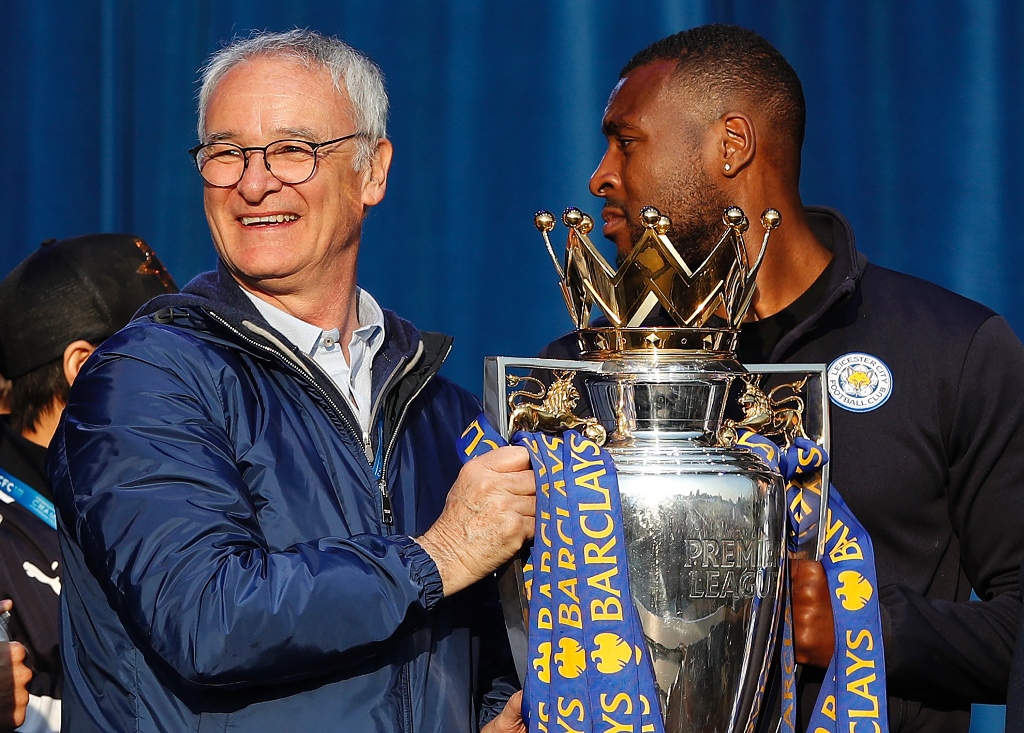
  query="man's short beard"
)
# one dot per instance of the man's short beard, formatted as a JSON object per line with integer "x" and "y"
{"x": 697, "y": 240}
{"x": 696, "y": 210}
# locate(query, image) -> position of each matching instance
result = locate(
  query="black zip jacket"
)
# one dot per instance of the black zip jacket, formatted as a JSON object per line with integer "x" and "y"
{"x": 935, "y": 474}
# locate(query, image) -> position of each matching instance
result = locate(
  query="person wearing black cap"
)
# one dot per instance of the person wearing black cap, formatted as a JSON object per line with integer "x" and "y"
{"x": 56, "y": 307}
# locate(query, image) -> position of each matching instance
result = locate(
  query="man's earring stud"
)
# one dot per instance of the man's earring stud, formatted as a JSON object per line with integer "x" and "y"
{"x": 727, "y": 167}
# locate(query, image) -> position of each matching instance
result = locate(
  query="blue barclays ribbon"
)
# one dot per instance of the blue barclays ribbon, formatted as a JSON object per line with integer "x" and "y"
{"x": 29, "y": 498}
{"x": 853, "y": 697}
{"x": 589, "y": 668}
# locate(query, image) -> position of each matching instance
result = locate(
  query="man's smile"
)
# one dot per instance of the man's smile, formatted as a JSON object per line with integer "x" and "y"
{"x": 267, "y": 220}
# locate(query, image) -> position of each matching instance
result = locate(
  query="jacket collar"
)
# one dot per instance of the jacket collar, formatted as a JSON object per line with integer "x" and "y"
{"x": 834, "y": 232}
{"x": 217, "y": 293}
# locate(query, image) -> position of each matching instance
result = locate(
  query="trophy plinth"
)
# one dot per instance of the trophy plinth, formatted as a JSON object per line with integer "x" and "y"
{"x": 704, "y": 520}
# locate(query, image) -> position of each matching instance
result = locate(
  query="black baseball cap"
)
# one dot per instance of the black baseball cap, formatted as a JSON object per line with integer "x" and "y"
{"x": 80, "y": 288}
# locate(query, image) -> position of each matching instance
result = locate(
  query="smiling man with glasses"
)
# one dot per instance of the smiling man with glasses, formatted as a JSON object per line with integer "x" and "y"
{"x": 264, "y": 521}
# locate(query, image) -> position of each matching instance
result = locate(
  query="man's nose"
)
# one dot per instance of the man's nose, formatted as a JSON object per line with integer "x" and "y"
{"x": 605, "y": 177}
{"x": 257, "y": 180}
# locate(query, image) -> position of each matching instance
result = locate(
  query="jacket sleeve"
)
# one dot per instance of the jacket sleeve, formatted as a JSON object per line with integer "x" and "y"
{"x": 942, "y": 651}
{"x": 148, "y": 485}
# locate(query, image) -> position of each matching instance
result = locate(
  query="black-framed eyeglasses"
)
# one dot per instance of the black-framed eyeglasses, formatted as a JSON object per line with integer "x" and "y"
{"x": 289, "y": 161}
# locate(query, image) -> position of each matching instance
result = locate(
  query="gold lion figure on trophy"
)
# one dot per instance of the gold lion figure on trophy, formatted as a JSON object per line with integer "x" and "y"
{"x": 768, "y": 414}
{"x": 554, "y": 414}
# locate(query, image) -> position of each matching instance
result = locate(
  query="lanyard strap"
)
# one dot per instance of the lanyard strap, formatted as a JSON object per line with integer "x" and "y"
{"x": 28, "y": 497}
{"x": 589, "y": 668}
{"x": 853, "y": 694}
{"x": 568, "y": 652}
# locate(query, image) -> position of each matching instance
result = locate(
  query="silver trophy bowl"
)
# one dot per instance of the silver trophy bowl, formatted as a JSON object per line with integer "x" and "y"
{"x": 704, "y": 527}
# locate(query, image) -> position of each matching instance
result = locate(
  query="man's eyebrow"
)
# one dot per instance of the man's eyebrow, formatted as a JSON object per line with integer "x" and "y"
{"x": 300, "y": 133}
{"x": 280, "y": 133}
{"x": 612, "y": 126}
{"x": 219, "y": 137}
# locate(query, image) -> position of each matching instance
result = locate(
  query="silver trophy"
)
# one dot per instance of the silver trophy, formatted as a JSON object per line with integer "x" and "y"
{"x": 704, "y": 518}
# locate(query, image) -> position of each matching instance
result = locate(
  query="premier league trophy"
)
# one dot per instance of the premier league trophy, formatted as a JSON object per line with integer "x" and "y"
{"x": 704, "y": 518}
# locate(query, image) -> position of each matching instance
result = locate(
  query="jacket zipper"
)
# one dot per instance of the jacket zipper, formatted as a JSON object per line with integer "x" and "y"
{"x": 387, "y": 512}
{"x": 382, "y": 480}
{"x": 386, "y": 507}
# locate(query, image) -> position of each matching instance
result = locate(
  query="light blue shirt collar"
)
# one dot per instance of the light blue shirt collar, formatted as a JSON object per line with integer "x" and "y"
{"x": 352, "y": 380}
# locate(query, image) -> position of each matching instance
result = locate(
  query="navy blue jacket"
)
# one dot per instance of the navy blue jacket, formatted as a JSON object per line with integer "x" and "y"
{"x": 228, "y": 566}
{"x": 935, "y": 474}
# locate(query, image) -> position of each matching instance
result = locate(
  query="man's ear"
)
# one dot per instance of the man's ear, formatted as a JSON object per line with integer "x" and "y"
{"x": 75, "y": 355}
{"x": 736, "y": 142}
{"x": 377, "y": 177}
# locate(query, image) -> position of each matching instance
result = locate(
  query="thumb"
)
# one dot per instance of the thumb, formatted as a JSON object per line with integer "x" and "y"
{"x": 510, "y": 720}
{"x": 506, "y": 459}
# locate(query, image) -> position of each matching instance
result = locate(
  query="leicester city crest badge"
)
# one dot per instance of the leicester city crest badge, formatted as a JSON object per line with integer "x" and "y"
{"x": 859, "y": 382}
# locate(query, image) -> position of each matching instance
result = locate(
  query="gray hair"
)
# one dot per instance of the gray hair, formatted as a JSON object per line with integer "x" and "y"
{"x": 351, "y": 71}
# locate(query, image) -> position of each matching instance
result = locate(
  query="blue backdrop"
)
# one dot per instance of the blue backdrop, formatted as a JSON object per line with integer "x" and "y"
{"x": 913, "y": 109}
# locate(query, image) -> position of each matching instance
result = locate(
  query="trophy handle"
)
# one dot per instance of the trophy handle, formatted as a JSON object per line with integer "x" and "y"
{"x": 516, "y": 613}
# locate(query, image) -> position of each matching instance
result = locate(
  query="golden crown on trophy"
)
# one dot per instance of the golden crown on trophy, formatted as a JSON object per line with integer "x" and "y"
{"x": 654, "y": 273}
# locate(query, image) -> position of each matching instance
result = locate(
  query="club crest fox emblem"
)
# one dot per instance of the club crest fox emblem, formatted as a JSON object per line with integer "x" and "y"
{"x": 859, "y": 382}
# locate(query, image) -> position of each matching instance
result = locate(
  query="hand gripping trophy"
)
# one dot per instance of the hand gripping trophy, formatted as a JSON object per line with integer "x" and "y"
{"x": 703, "y": 518}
